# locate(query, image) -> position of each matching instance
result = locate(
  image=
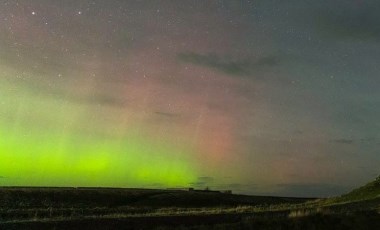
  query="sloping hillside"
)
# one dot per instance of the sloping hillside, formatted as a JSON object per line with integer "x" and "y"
{"x": 366, "y": 192}
{"x": 366, "y": 197}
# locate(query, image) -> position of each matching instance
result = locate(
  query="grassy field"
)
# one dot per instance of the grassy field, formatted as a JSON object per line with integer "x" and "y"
{"x": 100, "y": 208}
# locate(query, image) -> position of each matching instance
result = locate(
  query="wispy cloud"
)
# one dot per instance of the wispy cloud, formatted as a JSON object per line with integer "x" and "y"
{"x": 345, "y": 21}
{"x": 167, "y": 114}
{"x": 99, "y": 98}
{"x": 227, "y": 65}
{"x": 343, "y": 141}
{"x": 311, "y": 190}
{"x": 203, "y": 181}
{"x": 353, "y": 141}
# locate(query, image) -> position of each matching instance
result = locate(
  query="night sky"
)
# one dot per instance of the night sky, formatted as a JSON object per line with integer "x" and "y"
{"x": 261, "y": 97}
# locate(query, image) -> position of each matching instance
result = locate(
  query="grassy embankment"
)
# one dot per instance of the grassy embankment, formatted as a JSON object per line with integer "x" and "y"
{"x": 68, "y": 208}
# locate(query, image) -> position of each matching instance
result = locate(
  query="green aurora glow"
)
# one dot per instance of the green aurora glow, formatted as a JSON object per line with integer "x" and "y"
{"x": 39, "y": 155}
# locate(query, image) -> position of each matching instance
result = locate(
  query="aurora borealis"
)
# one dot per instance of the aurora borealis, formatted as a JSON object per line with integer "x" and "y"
{"x": 261, "y": 97}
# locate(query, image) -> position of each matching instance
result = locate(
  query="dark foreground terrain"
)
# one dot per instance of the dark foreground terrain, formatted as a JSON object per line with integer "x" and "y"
{"x": 84, "y": 208}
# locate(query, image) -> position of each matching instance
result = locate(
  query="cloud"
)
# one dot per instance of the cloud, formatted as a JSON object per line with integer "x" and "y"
{"x": 166, "y": 114}
{"x": 205, "y": 178}
{"x": 310, "y": 190}
{"x": 60, "y": 93}
{"x": 367, "y": 140}
{"x": 343, "y": 141}
{"x": 229, "y": 65}
{"x": 352, "y": 141}
{"x": 203, "y": 181}
{"x": 101, "y": 99}
{"x": 238, "y": 187}
{"x": 97, "y": 99}
{"x": 234, "y": 186}
{"x": 347, "y": 21}
{"x": 156, "y": 185}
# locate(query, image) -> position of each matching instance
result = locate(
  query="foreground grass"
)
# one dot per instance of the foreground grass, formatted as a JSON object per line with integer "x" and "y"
{"x": 27, "y": 204}
{"x": 28, "y": 208}
{"x": 323, "y": 207}
{"x": 357, "y": 220}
